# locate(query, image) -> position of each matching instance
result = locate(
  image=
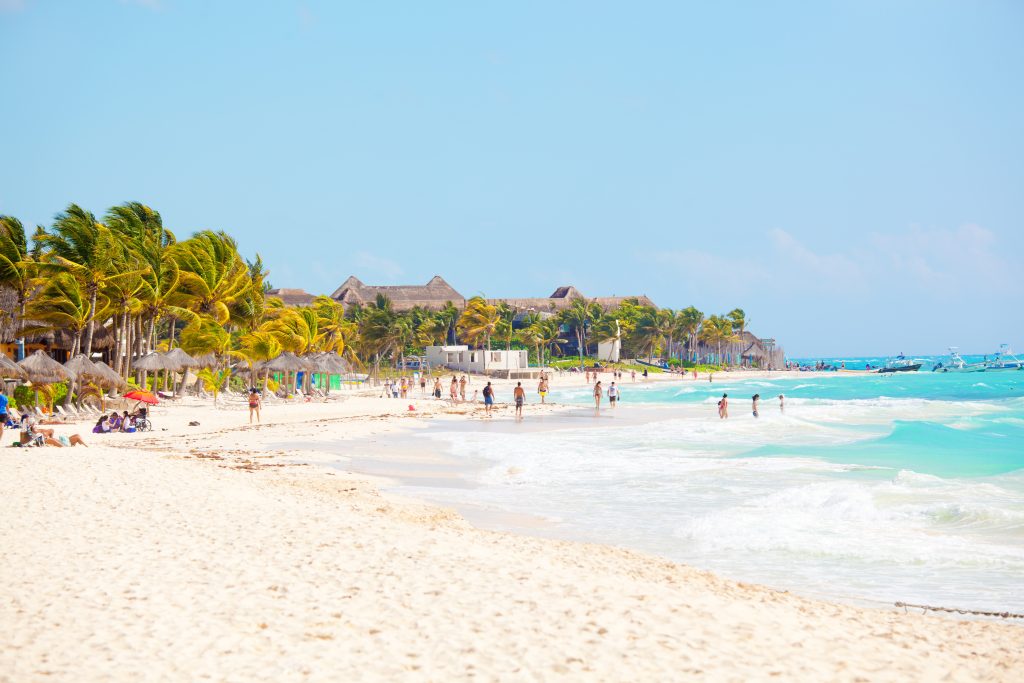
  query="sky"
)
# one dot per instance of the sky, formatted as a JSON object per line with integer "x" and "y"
{"x": 851, "y": 174}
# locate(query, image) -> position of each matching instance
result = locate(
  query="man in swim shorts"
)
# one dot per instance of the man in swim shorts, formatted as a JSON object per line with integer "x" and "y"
{"x": 542, "y": 388}
{"x": 488, "y": 398}
{"x": 613, "y": 394}
{"x": 519, "y": 394}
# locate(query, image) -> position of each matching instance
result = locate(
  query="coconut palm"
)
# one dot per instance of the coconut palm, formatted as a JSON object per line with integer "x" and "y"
{"x": 61, "y": 304}
{"x": 256, "y": 347}
{"x": 212, "y": 275}
{"x": 579, "y": 316}
{"x": 80, "y": 245}
{"x": 16, "y": 268}
{"x": 478, "y": 322}
{"x": 687, "y": 326}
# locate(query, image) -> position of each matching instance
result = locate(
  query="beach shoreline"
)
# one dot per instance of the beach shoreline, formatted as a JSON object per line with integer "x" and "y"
{"x": 217, "y": 551}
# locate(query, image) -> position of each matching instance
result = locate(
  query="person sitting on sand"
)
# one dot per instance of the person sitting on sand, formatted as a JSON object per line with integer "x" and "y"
{"x": 101, "y": 426}
{"x": 114, "y": 422}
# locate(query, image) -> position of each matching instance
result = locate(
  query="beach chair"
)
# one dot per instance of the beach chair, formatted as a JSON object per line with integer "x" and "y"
{"x": 66, "y": 413}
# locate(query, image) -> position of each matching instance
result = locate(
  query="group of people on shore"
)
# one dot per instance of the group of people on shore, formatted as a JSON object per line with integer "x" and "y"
{"x": 125, "y": 422}
{"x": 29, "y": 432}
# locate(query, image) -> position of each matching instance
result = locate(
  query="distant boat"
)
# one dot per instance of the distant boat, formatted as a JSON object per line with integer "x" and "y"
{"x": 1004, "y": 360}
{"x": 900, "y": 364}
{"x": 957, "y": 364}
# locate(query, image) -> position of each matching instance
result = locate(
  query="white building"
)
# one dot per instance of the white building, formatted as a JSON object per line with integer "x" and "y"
{"x": 480, "y": 361}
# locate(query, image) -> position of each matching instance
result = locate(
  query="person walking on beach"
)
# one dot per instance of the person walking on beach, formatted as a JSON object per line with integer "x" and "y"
{"x": 254, "y": 404}
{"x": 723, "y": 407}
{"x": 613, "y": 395}
{"x": 3, "y": 411}
{"x": 437, "y": 388}
{"x": 755, "y": 399}
{"x": 598, "y": 394}
{"x": 519, "y": 394}
{"x": 462, "y": 388}
{"x": 632, "y": 375}
{"x": 488, "y": 399}
{"x": 542, "y": 388}
{"x": 453, "y": 390}
{"x": 423, "y": 385}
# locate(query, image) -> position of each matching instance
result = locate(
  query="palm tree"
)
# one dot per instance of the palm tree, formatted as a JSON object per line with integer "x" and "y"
{"x": 579, "y": 317}
{"x": 542, "y": 334}
{"x": 739, "y": 323}
{"x": 85, "y": 248}
{"x": 479, "y": 322}
{"x": 16, "y": 270}
{"x": 688, "y": 323}
{"x": 255, "y": 347}
{"x": 212, "y": 275}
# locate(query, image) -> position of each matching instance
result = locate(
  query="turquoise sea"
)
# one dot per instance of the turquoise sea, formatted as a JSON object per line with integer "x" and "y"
{"x": 905, "y": 487}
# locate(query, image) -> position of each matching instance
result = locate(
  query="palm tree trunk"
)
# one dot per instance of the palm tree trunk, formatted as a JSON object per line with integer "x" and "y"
{"x": 92, "y": 322}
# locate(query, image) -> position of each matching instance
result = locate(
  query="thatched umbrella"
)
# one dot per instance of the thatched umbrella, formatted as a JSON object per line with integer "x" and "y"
{"x": 287, "y": 362}
{"x": 9, "y": 369}
{"x": 154, "y": 362}
{"x": 81, "y": 366}
{"x": 207, "y": 360}
{"x": 109, "y": 377}
{"x": 41, "y": 369}
{"x": 185, "y": 362}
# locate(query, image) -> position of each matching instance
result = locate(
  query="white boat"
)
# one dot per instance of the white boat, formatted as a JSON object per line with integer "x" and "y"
{"x": 957, "y": 364}
{"x": 1004, "y": 360}
{"x": 900, "y": 364}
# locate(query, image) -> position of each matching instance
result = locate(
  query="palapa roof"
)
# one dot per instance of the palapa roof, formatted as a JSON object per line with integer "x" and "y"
{"x": 154, "y": 361}
{"x": 109, "y": 377}
{"x": 563, "y": 297}
{"x": 83, "y": 367}
{"x": 435, "y": 294}
{"x": 42, "y": 369}
{"x": 182, "y": 359}
{"x": 10, "y": 369}
{"x": 292, "y": 297}
{"x": 287, "y": 362}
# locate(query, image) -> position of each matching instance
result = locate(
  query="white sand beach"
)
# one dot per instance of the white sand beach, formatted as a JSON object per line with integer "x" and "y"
{"x": 195, "y": 553}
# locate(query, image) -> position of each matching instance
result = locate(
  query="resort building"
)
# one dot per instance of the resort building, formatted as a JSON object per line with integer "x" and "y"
{"x": 432, "y": 296}
{"x": 292, "y": 297}
{"x": 563, "y": 297}
{"x": 461, "y": 358}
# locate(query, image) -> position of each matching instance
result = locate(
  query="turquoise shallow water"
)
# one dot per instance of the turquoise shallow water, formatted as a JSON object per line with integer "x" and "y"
{"x": 881, "y": 488}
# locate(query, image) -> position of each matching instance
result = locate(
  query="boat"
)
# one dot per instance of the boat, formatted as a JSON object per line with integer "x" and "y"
{"x": 957, "y": 364}
{"x": 900, "y": 364}
{"x": 1004, "y": 360}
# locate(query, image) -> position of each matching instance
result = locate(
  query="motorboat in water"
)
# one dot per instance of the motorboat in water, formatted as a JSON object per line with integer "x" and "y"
{"x": 1004, "y": 360}
{"x": 957, "y": 364}
{"x": 900, "y": 364}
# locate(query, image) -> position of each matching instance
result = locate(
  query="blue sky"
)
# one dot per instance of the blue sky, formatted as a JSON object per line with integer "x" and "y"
{"x": 849, "y": 173}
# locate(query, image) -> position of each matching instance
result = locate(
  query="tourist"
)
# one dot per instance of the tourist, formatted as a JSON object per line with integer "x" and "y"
{"x": 437, "y": 388}
{"x": 598, "y": 394}
{"x": 542, "y": 387}
{"x": 3, "y": 411}
{"x": 423, "y": 385}
{"x": 254, "y": 404}
{"x": 387, "y": 389}
{"x": 519, "y": 394}
{"x": 755, "y": 399}
{"x": 782, "y": 403}
{"x": 453, "y": 390}
{"x": 613, "y": 395}
{"x": 723, "y": 407}
{"x": 31, "y": 435}
{"x": 115, "y": 422}
{"x": 462, "y": 387}
{"x": 632, "y": 375}
{"x": 101, "y": 426}
{"x": 488, "y": 398}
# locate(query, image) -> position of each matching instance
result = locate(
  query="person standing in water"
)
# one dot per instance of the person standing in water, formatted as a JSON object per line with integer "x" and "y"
{"x": 782, "y": 403}
{"x": 723, "y": 407}
{"x": 519, "y": 394}
{"x": 755, "y": 399}
{"x": 488, "y": 399}
{"x": 613, "y": 395}
{"x": 598, "y": 394}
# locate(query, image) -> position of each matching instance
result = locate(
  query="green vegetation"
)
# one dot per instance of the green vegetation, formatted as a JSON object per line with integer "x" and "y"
{"x": 131, "y": 276}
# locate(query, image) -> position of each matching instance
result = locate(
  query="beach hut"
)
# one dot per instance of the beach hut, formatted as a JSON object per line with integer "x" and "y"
{"x": 10, "y": 370}
{"x": 109, "y": 378}
{"x": 40, "y": 369}
{"x": 287, "y": 363}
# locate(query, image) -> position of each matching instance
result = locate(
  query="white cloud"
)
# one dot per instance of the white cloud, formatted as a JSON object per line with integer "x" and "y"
{"x": 366, "y": 261}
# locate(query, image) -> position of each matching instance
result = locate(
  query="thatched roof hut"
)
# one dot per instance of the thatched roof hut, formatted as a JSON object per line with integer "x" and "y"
{"x": 9, "y": 369}
{"x": 41, "y": 369}
{"x": 109, "y": 378}
{"x": 287, "y": 362}
{"x": 11, "y": 327}
{"x": 182, "y": 359}
{"x": 207, "y": 360}
{"x": 432, "y": 296}
{"x": 81, "y": 366}
{"x": 155, "y": 361}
